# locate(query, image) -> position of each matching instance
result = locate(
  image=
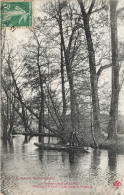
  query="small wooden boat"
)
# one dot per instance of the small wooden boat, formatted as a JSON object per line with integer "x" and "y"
{"x": 60, "y": 147}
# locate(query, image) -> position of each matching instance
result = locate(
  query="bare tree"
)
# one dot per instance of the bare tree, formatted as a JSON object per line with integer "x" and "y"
{"x": 92, "y": 64}
{"x": 112, "y": 127}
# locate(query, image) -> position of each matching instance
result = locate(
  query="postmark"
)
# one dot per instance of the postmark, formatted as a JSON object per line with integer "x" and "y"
{"x": 17, "y": 13}
{"x": 117, "y": 184}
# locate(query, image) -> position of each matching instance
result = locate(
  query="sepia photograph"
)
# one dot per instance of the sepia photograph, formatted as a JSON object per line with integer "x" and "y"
{"x": 62, "y": 97}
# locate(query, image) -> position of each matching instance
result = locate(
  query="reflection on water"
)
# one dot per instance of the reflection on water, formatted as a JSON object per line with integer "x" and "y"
{"x": 95, "y": 161}
{"x": 112, "y": 160}
{"x": 24, "y": 165}
{"x": 112, "y": 163}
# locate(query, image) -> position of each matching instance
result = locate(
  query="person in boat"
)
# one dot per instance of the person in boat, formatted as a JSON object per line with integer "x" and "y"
{"x": 73, "y": 140}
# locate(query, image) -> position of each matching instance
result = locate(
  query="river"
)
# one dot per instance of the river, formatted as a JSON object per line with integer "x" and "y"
{"x": 26, "y": 170}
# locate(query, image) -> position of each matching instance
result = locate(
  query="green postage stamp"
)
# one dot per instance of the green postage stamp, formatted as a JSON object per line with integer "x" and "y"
{"x": 16, "y": 13}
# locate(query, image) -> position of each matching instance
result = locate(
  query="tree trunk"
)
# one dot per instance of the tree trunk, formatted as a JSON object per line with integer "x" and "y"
{"x": 93, "y": 77}
{"x": 63, "y": 83}
{"x": 41, "y": 114}
{"x": 112, "y": 127}
{"x": 62, "y": 69}
{"x": 69, "y": 74}
{"x": 72, "y": 101}
{"x": 92, "y": 65}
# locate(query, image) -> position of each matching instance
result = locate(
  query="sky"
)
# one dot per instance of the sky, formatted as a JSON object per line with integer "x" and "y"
{"x": 19, "y": 36}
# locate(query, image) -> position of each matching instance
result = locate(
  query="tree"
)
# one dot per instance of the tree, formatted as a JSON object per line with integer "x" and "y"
{"x": 9, "y": 58}
{"x": 92, "y": 64}
{"x": 69, "y": 34}
{"x": 112, "y": 127}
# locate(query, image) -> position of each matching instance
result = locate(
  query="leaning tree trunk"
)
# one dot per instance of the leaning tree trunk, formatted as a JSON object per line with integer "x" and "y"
{"x": 112, "y": 127}
{"x": 20, "y": 98}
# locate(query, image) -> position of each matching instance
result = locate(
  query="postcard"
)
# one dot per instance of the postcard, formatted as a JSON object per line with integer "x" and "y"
{"x": 62, "y": 97}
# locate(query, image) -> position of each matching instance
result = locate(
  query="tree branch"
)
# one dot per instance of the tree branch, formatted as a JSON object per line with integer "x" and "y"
{"x": 91, "y": 7}
{"x": 103, "y": 68}
{"x": 82, "y": 8}
{"x": 121, "y": 84}
{"x": 97, "y": 10}
{"x": 120, "y": 10}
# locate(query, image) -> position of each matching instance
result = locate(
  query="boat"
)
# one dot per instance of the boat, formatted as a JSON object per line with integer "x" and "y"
{"x": 39, "y": 134}
{"x": 73, "y": 144}
{"x": 60, "y": 147}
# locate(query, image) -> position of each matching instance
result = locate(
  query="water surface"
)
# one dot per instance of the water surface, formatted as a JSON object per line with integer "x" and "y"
{"x": 27, "y": 170}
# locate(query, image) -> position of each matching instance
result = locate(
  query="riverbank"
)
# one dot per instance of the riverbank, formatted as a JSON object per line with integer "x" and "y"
{"x": 115, "y": 145}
